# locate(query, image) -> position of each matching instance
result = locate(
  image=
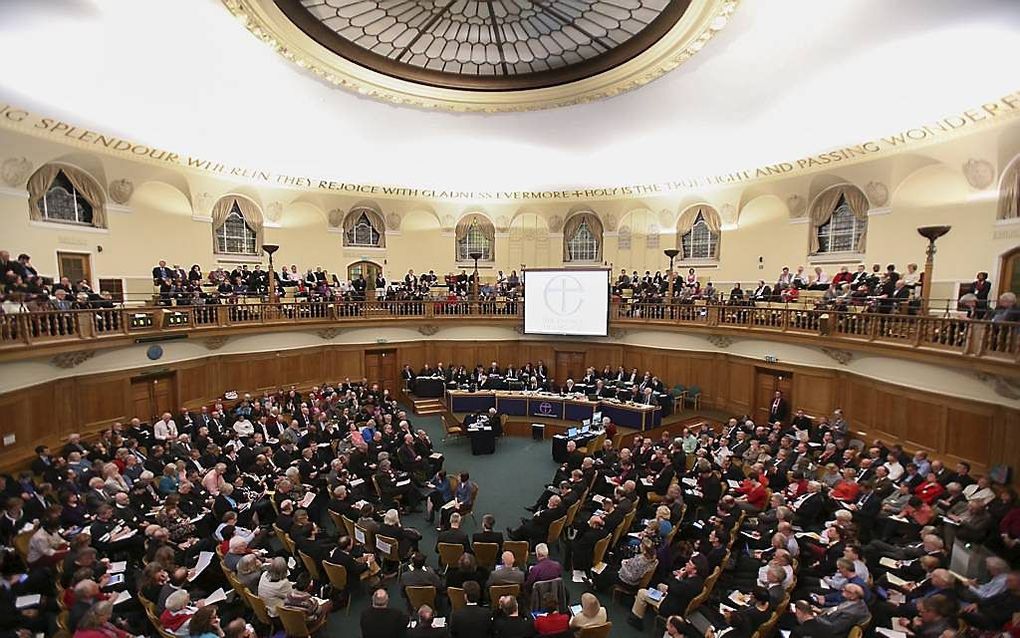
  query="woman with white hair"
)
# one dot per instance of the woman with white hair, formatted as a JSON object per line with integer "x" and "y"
{"x": 178, "y": 613}
{"x": 249, "y": 571}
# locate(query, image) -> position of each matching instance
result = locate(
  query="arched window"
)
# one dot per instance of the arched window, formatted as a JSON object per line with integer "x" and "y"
{"x": 234, "y": 236}
{"x": 66, "y": 195}
{"x": 475, "y": 234}
{"x": 363, "y": 227}
{"x": 698, "y": 231}
{"x": 582, "y": 239}
{"x": 237, "y": 226}
{"x": 623, "y": 238}
{"x": 839, "y": 221}
{"x": 1009, "y": 192}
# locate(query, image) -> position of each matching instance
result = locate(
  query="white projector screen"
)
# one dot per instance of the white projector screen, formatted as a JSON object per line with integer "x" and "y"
{"x": 566, "y": 302}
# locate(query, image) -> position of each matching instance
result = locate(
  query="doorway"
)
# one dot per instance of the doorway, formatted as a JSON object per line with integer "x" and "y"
{"x": 368, "y": 269}
{"x": 1009, "y": 272}
{"x": 75, "y": 266}
{"x": 152, "y": 395}
{"x": 569, "y": 365}
{"x": 381, "y": 368}
{"x": 766, "y": 383}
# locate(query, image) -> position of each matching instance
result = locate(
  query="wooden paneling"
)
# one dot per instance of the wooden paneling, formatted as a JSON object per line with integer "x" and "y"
{"x": 950, "y": 428}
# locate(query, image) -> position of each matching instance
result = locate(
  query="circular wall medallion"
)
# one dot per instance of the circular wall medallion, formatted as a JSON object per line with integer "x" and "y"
{"x": 490, "y": 55}
{"x": 154, "y": 352}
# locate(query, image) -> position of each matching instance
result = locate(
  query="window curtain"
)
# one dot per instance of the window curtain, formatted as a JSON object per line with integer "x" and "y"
{"x": 249, "y": 211}
{"x": 686, "y": 223}
{"x": 825, "y": 204}
{"x": 82, "y": 182}
{"x": 573, "y": 224}
{"x": 375, "y": 220}
{"x": 483, "y": 225}
{"x": 1009, "y": 196}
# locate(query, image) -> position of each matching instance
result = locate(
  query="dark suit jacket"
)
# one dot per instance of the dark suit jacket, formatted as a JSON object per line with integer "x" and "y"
{"x": 488, "y": 537}
{"x": 383, "y": 623}
{"x": 428, "y": 632}
{"x": 471, "y": 622}
{"x": 453, "y": 536}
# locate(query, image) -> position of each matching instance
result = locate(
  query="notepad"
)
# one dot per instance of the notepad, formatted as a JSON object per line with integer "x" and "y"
{"x": 217, "y": 596}
{"x": 895, "y": 580}
{"x": 885, "y": 561}
{"x": 24, "y": 602}
{"x": 204, "y": 558}
{"x": 122, "y": 596}
{"x": 118, "y": 567}
{"x": 579, "y": 576}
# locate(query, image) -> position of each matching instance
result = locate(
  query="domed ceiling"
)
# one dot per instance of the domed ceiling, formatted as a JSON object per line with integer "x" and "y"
{"x": 486, "y": 44}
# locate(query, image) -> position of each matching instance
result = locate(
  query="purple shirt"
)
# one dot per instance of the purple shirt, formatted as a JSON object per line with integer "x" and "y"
{"x": 545, "y": 569}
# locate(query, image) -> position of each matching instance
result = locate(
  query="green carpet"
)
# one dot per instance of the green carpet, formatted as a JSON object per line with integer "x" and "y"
{"x": 508, "y": 481}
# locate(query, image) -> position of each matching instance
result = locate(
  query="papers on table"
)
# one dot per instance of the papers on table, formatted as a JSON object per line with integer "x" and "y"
{"x": 24, "y": 602}
{"x": 204, "y": 558}
{"x": 895, "y": 580}
{"x": 579, "y": 576}
{"x": 217, "y": 596}
{"x": 885, "y": 561}
{"x": 118, "y": 568}
{"x": 122, "y": 596}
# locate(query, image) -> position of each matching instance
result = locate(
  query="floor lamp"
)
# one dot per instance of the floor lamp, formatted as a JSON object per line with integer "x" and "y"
{"x": 270, "y": 249}
{"x": 931, "y": 233}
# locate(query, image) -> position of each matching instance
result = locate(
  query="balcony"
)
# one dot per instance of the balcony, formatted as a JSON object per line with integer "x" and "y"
{"x": 983, "y": 344}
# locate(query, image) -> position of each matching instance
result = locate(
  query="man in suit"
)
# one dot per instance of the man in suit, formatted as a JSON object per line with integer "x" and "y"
{"x": 536, "y": 529}
{"x": 382, "y": 621}
{"x": 487, "y": 535}
{"x": 779, "y": 409}
{"x": 472, "y": 620}
{"x": 838, "y": 620}
{"x": 809, "y": 508}
{"x": 424, "y": 629}
{"x": 161, "y": 273}
{"x": 455, "y": 535}
{"x": 506, "y": 573}
{"x": 419, "y": 574}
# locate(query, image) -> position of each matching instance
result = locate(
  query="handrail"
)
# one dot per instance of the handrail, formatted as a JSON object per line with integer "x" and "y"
{"x": 996, "y": 342}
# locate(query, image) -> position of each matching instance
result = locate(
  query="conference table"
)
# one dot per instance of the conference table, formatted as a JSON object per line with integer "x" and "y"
{"x": 429, "y": 387}
{"x": 559, "y": 443}
{"x": 554, "y": 406}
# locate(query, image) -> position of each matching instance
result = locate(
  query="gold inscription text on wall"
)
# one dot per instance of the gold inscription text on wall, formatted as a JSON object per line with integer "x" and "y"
{"x": 999, "y": 111}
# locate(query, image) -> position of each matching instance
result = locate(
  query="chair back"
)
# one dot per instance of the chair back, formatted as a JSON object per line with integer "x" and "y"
{"x": 310, "y": 565}
{"x": 450, "y": 553}
{"x": 571, "y": 513}
{"x": 647, "y": 578}
{"x": 498, "y": 591}
{"x": 348, "y": 525}
{"x": 337, "y": 575}
{"x": 601, "y": 546}
{"x": 712, "y": 578}
{"x": 338, "y": 522}
{"x": 259, "y": 607}
{"x": 389, "y": 547}
{"x": 486, "y": 554}
{"x": 555, "y": 529}
{"x": 458, "y": 599}
{"x": 375, "y": 484}
{"x": 596, "y": 631}
{"x": 294, "y": 621}
{"x": 422, "y": 595}
{"x": 21, "y": 544}
{"x": 520, "y": 551}
{"x": 285, "y": 540}
{"x": 367, "y": 537}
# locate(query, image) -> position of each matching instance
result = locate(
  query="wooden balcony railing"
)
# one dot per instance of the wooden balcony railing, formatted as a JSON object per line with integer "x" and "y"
{"x": 995, "y": 342}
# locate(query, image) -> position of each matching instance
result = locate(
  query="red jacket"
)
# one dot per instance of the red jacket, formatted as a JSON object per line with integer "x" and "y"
{"x": 929, "y": 491}
{"x": 552, "y": 624}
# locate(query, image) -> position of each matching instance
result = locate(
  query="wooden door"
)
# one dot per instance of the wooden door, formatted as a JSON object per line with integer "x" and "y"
{"x": 1009, "y": 272}
{"x": 368, "y": 269}
{"x": 151, "y": 396}
{"x": 766, "y": 384}
{"x": 569, "y": 365}
{"x": 381, "y": 367}
{"x": 75, "y": 266}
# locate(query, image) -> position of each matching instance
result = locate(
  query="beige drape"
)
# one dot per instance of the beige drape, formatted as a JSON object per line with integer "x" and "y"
{"x": 87, "y": 187}
{"x": 481, "y": 222}
{"x": 573, "y": 224}
{"x": 686, "y": 223}
{"x": 249, "y": 211}
{"x": 1009, "y": 196}
{"x": 825, "y": 204}
{"x": 374, "y": 219}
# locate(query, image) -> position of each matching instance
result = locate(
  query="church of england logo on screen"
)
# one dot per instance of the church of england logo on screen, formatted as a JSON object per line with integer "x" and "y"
{"x": 545, "y": 407}
{"x": 563, "y": 295}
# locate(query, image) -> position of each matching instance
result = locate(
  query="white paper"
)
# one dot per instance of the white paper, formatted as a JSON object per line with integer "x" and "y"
{"x": 598, "y": 569}
{"x": 439, "y": 622}
{"x": 204, "y": 558}
{"x": 891, "y": 633}
{"x": 733, "y": 484}
{"x": 307, "y": 500}
{"x": 578, "y": 576}
{"x": 291, "y": 562}
{"x": 383, "y": 546}
{"x": 359, "y": 535}
{"x": 23, "y": 602}
{"x": 895, "y": 580}
{"x": 118, "y": 568}
{"x": 403, "y": 483}
{"x": 122, "y": 596}
{"x": 885, "y": 561}
{"x": 215, "y": 597}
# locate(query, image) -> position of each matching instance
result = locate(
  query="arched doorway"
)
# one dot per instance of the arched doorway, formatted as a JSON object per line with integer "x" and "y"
{"x": 1009, "y": 272}
{"x": 368, "y": 269}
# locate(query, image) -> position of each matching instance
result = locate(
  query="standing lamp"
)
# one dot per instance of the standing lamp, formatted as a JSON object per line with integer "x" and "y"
{"x": 671, "y": 253}
{"x": 270, "y": 249}
{"x": 476, "y": 256}
{"x": 931, "y": 233}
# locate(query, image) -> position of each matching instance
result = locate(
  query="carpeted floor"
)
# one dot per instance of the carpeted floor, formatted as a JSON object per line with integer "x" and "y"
{"x": 508, "y": 481}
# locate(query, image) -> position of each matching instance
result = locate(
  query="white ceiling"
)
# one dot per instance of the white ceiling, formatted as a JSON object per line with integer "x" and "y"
{"x": 785, "y": 79}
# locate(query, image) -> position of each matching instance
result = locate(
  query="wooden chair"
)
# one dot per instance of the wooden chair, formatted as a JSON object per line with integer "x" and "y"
{"x": 259, "y": 607}
{"x": 365, "y": 537}
{"x": 470, "y": 511}
{"x": 571, "y": 513}
{"x": 310, "y": 565}
{"x": 693, "y": 396}
{"x": 555, "y": 529}
{"x": 423, "y": 595}
{"x": 487, "y": 554}
{"x": 520, "y": 551}
{"x": 396, "y": 498}
{"x": 498, "y": 591}
{"x": 285, "y": 540}
{"x": 295, "y": 622}
{"x": 599, "y": 552}
{"x": 622, "y": 528}
{"x": 458, "y": 599}
{"x": 348, "y": 526}
{"x": 21, "y": 544}
{"x": 235, "y": 584}
{"x": 272, "y": 501}
{"x": 620, "y": 588}
{"x": 338, "y": 522}
{"x": 337, "y": 575}
{"x": 389, "y": 551}
{"x": 596, "y": 631}
{"x": 449, "y": 554}
{"x": 451, "y": 431}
